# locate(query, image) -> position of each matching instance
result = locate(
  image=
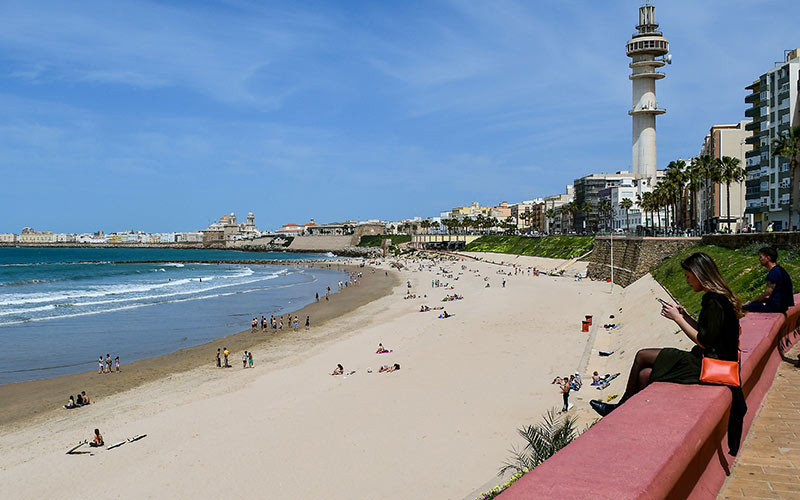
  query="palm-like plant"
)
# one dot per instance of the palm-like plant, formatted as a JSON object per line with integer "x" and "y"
{"x": 425, "y": 224}
{"x": 541, "y": 442}
{"x": 587, "y": 209}
{"x": 731, "y": 171}
{"x": 676, "y": 177}
{"x": 604, "y": 209}
{"x": 626, "y": 205}
{"x": 550, "y": 213}
{"x": 788, "y": 146}
{"x": 710, "y": 170}
{"x": 694, "y": 173}
{"x": 571, "y": 208}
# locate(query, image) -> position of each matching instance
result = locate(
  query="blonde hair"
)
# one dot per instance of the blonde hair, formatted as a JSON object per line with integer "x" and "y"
{"x": 707, "y": 273}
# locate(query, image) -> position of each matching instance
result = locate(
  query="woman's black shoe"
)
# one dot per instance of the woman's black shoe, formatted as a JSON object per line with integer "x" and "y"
{"x": 602, "y": 408}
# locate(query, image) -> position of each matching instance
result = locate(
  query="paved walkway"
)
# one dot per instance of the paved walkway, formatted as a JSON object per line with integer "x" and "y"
{"x": 768, "y": 465}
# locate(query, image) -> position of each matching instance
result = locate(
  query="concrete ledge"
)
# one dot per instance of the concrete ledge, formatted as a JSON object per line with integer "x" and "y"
{"x": 670, "y": 440}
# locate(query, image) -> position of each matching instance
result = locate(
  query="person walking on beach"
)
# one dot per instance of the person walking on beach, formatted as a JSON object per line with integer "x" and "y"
{"x": 296, "y": 323}
{"x": 244, "y": 359}
{"x": 250, "y": 358}
{"x": 100, "y": 363}
{"x": 219, "y": 358}
{"x": 316, "y": 295}
{"x": 116, "y": 363}
{"x": 308, "y": 322}
{"x": 778, "y": 295}
{"x": 108, "y": 363}
{"x": 225, "y": 354}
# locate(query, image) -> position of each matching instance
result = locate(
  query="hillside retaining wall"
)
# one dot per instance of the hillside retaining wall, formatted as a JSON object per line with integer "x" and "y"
{"x": 633, "y": 257}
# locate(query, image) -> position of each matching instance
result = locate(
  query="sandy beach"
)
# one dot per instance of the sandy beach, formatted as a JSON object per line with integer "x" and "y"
{"x": 440, "y": 427}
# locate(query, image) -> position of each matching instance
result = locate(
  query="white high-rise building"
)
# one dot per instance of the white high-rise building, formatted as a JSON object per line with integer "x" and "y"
{"x": 643, "y": 48}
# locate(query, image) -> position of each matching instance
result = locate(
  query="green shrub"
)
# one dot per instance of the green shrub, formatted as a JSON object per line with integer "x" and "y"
{"x": 376, "y": 240}
{"x": 541, "y": 442}
{"x": 556, "y": 247}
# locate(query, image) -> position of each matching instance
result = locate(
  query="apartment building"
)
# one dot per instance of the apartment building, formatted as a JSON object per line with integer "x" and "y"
{"x": 712, "y": 198}
{"x": 773, "y": 101}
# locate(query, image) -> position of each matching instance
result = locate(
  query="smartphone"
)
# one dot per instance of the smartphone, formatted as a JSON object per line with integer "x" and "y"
{"x": 664, "y": 302}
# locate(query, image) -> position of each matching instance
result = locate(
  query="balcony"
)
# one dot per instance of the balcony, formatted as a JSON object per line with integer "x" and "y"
{"x": 752, "y": 112}
{"x": 753, "y": 126}
{"x": 752, "y": 98}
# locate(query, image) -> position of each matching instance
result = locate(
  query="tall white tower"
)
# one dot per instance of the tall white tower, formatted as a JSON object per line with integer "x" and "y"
{"x": 643, "y": 48}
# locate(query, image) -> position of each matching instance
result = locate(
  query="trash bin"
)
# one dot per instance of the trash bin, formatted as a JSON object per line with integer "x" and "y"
{"x": 589, "y": 319}
{"x": 585, "y": 326}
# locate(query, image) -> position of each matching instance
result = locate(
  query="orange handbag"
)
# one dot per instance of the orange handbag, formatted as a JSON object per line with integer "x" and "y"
{"x": 720, "y": 372}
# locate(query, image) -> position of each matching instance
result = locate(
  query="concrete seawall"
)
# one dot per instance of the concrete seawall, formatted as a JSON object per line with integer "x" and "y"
{"x": 633, "y": 257}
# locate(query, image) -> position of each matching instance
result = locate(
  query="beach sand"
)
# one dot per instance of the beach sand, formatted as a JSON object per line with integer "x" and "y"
{"x": 438, "y": 428}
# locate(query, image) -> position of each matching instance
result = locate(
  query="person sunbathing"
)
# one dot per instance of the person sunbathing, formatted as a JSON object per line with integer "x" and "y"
{"x": 98, "y": 439}
{"x": 71, "y": 403}
{"x": 381, "y": 349}
{"x": 85, "y": 398}
{"x": 387, "y": 368}
{"x": 596, "y": 379}
{"x": 338, "y": 370}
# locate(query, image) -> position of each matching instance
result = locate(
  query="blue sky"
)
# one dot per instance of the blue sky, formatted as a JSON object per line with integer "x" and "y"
{"x": 162, "y": 116}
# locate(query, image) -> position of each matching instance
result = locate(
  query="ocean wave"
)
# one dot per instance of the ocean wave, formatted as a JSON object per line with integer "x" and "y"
{"x": 102, "y": 291}
{"x": 28, "y": 310}
{"x": 134, "y": 306}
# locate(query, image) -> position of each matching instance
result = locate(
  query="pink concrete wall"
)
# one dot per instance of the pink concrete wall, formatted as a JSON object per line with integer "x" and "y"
{"x": 670, "y": 440}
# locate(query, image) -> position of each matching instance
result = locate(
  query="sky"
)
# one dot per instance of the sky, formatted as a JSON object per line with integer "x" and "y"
{"x": 164, "y": 116}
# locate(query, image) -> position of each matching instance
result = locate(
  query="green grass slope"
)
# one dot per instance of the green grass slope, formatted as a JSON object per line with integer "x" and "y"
{"x": 739, "y": 267}
{"x": 556, "y": 247}
{"x": 375, "y": 241}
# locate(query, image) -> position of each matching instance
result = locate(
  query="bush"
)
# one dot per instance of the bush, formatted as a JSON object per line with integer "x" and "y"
{"x": 376, "y": 240}
{"x": 556, "y": 247}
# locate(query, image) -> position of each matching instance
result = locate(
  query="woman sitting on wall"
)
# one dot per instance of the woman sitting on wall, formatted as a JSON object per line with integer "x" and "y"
{"x": 715, "y": 333}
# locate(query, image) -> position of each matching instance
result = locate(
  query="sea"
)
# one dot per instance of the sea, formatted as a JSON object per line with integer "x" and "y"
{"x": 62, "y": 308}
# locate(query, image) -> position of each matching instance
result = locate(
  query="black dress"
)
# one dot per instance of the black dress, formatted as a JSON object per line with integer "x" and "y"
{"x": 718, "y": 331}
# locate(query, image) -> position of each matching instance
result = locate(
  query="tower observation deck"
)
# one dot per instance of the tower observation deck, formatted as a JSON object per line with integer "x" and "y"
{"x": 643, "y": 48}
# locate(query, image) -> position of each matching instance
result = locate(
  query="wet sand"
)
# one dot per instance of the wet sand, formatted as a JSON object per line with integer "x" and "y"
{"x": 24, "y": 402}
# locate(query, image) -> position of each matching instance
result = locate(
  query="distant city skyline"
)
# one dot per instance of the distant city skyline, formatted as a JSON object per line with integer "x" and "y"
{"x": 162, "y": 118}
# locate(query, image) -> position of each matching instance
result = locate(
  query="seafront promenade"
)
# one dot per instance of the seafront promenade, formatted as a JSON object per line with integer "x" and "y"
{"x": 768, "y": 465}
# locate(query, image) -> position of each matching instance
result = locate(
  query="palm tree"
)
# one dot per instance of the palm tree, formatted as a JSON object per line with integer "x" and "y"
{"x": 676, "y": 177}
{"x": 648, "y": 204}
{"x": 626, "y": 205}
{"x": 425, "y": 224}
{"x": 710, "y": 169}
{"x": 587, "y": 209}
{"x": 509, "y": 225}
{"x": 694, "y": 172}
{"x": 550, "y": 213}
{"x": 731, "y": 171}
{"x": 788, "y": 146}
{"x": 571, "y": 208}
{"x": 435, "y": 225}
{"x": 604, "y": 209}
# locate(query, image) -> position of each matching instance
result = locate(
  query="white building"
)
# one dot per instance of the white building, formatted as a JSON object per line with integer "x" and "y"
{"x": 647, "y": 44}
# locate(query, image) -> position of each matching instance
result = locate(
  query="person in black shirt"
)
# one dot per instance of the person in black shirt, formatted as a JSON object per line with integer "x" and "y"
{"x": 778, "y": 295}
{"x": 715, "y": 334}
